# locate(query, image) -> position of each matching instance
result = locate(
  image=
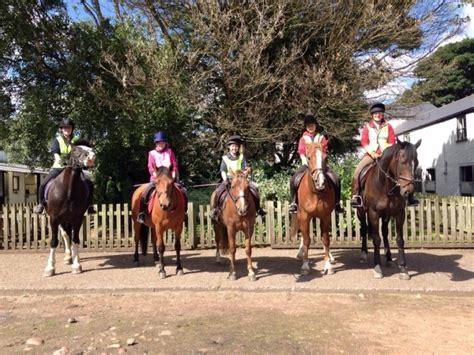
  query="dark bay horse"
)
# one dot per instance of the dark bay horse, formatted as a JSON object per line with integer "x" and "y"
{"x": 316, "y": 198}
{"x": 168, "y": 213}
{"x": 67, "y": 203}
{"x": 385, "y": 189}
{"x": 237, "y": 214}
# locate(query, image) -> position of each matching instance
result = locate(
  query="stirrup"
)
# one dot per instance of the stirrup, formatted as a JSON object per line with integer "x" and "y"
{"x": 293, "y": 208}
{"x": 213, "y": 214}
{"x": 91, "y": 210}
{"x": 356, "y": 201}
{"x": 39, "y": 209}
{"x": 141, "y": 217}
{"x": 261, "y": 212}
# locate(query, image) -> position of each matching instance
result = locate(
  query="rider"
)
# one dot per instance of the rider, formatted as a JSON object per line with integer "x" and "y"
{"x": 233, "y": 160}
{"x": 310, "y": 135}
{"x": 61, "y": 148}
{"x": 161, "y": 156}
{"x": 377, "y": 135}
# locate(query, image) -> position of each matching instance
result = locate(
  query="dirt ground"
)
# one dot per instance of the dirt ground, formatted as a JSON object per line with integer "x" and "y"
{"x": 113, "y": 307}
{"x": 238, "y": 322}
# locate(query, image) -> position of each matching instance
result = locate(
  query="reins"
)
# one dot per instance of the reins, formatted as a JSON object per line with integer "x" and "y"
{"x": 397, "y": 177}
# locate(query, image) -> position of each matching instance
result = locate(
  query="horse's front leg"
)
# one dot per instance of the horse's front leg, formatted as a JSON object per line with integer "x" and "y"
{"x": 304, "y": 219}
{"x": 399, "y": 220}
{"x": 324, "y": 225}
{"x": 50, "y": 269}
{"x": 386, "y": 242}
{"x": 248, "y": 252}
{"x": 161, "y": 251}
{"x": 177, "y": 247}
{"x": 373, "y": 219}
{"x": 363, "y": 234}
{"x": 231, "y": 240}
{"x": 66, "y": 235}
{"x": 76, "y": 265}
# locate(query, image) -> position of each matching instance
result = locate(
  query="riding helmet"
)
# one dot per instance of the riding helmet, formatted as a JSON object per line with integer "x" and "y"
{"x": 236, "y": 139}
{"x": 66, "y": 122}
{"x": 160, "y": 137}
{"x": 377, "y": 107}
{"x": 309, "y": 118}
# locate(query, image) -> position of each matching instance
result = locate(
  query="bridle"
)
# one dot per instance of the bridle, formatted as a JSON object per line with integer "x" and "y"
{"x": 159, "y": 193}
{"x": 410, "y": 181}
{"x": 234, "y": 200}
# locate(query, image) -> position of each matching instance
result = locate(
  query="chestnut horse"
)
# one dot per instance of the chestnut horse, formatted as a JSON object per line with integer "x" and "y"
{"x": 316, "y": 198}
{"x": 385, "y": 189}
{"x": 237, "y": 214}
{"x": 168, "y": 213}
{"x": 66, "y": 205}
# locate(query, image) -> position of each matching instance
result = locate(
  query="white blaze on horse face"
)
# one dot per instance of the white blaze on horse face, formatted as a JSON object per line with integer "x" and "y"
{"x": 89, "y": 160}
{"x": 242, "y": 200}
{"x": 319, "y": 167}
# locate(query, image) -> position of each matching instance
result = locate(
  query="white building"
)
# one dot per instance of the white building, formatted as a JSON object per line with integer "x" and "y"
{"x": 446, "y": 154}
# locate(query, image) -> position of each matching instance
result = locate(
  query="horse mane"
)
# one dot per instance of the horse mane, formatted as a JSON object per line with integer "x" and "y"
{"x": 409, "y": 148}
{"x": 82, "y": 142}
{"x": 163, "y": 170}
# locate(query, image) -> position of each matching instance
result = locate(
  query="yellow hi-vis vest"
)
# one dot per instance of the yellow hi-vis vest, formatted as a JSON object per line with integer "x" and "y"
{"x": 64, "y": 150}
{"x": 378, "y": 138}
{"x": 233, "y": 165}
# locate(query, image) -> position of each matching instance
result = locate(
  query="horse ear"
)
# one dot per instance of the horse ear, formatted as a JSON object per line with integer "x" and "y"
{"x": 417, "y": 144}
{"x": 399, "y": 141}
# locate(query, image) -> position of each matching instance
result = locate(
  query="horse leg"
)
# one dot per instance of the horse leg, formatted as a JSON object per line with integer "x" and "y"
{"x": 161, "y": 250}
{"x": 156, "y": 257}
{"x": 399, "y": 220}
{"x": 231, "y": 240}
{"x": 67, "y": 245}
{"x": 304, "y": 227}
{"x": 50, "y": 265}
{"x": 386, "y": 242}
{"x": 217, "y": 233}
{"x": 374, "y": 233}
{"x": 177, "y": 247}
{"x": 363, "y": 234}
{"x": 136, "y": 230}
{"x": 324, "y": 226}
{"x": 248, "y": 252}
{"x": 76, "y": 265}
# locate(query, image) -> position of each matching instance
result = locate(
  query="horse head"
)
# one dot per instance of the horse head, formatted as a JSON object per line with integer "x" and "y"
{"x": 82, "y": 155}
{"x": 164, "y": 187}
{"x": 403, "y": 161}
{"x": 239, "y": 190}
{"x": 316, "y": 157}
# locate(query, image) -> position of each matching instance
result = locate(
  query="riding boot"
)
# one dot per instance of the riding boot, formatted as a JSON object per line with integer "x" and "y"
{"x": 39, "y": 208}
{"x": 260, "y": 211}
{"x": 293, "y": 208}
{"x": 338, "y": 206}
{"x": 412, "y": 200}
{"x": 216, "y": 203}
{"x": 144, "y": 202}
{"x": 356, "y": 200}
{"x": 214, "y": 212}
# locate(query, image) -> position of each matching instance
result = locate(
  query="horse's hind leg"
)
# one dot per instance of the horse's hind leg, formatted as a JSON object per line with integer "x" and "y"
{"x": 374, "y": 233}
{"x": 325, "y": 222}
{"x": 231, "y": 240}
{"x": 76, "y": 265}
{"x": 363, "y": 234}
{"x": 177, "y": 247}
{"x": 399, "y": 220}
{"x": 248, "y": 252}
{"x": 386, "y": 242}
{"x": 136, "y": 231}
{"x": 50, "y": 269}
{"x": 304, "y": 227}
{"x": 65, "y": 234}
{"x": 161, "y": 250}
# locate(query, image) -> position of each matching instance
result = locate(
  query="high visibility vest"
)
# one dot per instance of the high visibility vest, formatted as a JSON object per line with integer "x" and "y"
{"x": 378, "y": 138}
{"x": 233, "y": 165}
{"x": 64, "y": 150}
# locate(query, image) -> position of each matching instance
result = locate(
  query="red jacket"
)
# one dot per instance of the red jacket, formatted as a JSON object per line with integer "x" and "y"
{"x": 312, "y": 138}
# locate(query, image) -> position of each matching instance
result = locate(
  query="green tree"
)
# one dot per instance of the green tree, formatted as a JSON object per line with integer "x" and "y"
{"x": 445, "y": 76}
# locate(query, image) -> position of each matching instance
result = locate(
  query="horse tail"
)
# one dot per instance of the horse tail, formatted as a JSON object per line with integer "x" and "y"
{"x": 295, "y": 225}
{"x": 144, "y": 238}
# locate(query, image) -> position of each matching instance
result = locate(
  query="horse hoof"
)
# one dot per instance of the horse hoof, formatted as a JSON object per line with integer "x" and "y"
{"x": 329, "y": 271}
{"x": 389, "y": 263}
{"x": 179, "y": 272}
{"x": 252, "y": 278}
{"x": 49, "y": 273}
{"x": 136, "y": 264}
{"x": 304, "y": 272}
{"x": 68, "y": 261}
{"x": 404, "y": 276}
{"x": 77, "y": 270}
{"x": 162, "y": 275}
{"x": 299, "y": 256}
{"x": 378, "y": 272}
{"x": 232, "y": 277}
{"x": 363, "y": 258}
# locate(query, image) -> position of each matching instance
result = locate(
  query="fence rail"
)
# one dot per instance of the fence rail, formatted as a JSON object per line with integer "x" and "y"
{"x": 438, "y": 222}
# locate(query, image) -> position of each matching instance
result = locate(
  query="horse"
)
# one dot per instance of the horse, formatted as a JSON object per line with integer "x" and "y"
{"x": 238, "y": 213}
{"x": 316, "y": 198}
{"x": 168, "y": 212}
{"x": 385, "y": 188}
{"x": 67, "y": 203}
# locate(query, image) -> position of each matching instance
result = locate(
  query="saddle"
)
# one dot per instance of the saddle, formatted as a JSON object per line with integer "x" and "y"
{"x": 299, "y": 177}
{"x": 153, "y": 196}
{"x": 363, "y": 174}
{"x": 49, "y": 184}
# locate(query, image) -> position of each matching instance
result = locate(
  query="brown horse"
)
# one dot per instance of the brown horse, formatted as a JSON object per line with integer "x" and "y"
{"x": 316, "y": 198}
{"x": 237, "y": 214}
{"x": 168, "y": 213}
{"x": 386, "y": 187}
{"x": 67, "y": 203}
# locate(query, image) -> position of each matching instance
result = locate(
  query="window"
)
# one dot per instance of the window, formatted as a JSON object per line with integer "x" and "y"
{"x": 16, "y": 183}
{"x": 467, "y": 173}
{"x": 461, "y": 129}
{"x": 466, "y": 177}
{"x": 431, "y": 174}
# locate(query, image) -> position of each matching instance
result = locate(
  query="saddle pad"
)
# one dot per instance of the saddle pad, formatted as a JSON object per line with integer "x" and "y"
{"x": 50, "y": 184}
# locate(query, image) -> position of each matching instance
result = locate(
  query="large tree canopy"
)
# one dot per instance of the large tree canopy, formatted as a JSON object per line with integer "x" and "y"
{"x": 445, "y": 76}
{"x": 199, "y": 70}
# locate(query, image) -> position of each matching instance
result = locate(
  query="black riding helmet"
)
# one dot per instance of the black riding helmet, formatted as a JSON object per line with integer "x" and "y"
{"x": 308, "y": 119}
{"x": 66, "y": 122}
{"x": 236, "y": 139}
{"x": 377, "y": 107}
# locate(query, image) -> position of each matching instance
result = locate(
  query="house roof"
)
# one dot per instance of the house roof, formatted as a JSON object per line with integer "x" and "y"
{"x": 443, "y": 113}
{"x": 20, "y": 168}
{"x": 408, "y": 111}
